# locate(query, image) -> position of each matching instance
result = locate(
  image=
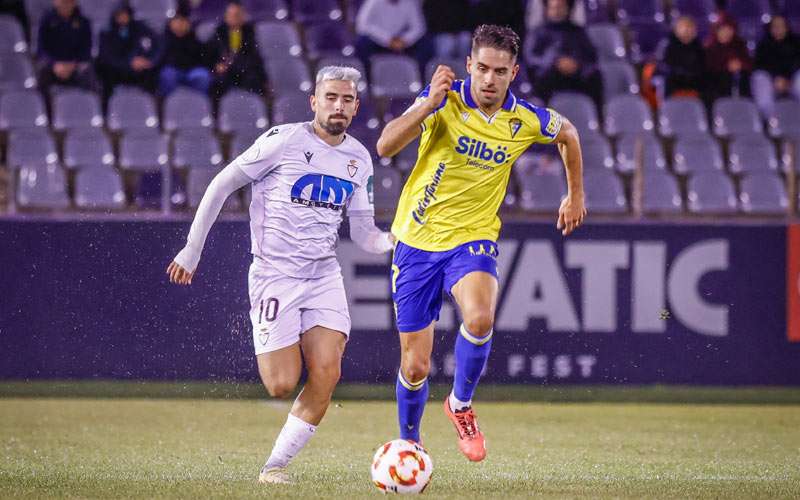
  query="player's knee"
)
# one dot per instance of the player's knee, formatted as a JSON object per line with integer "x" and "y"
{"x": 327, "y": 372}
{"x": 416, "y": 369}
{"x": 278, "y": 388}
{"x": 479, "y": 322}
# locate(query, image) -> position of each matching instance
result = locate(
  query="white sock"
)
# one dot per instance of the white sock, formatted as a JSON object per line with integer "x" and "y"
{"x": 456, "y": 404}
{"x": 293, "y": 437}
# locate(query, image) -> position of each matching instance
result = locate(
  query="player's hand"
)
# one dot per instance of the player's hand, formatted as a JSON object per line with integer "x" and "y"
{"x": 570, "y": 214}
{"x": 441, "y": 82}
{"x": 178, "y": 274}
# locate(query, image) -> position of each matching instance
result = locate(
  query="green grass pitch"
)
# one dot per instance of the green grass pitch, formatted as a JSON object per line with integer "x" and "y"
{"x": 81, "y": 447}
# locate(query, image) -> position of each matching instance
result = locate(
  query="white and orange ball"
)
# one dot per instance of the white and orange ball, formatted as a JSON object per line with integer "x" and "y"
{"x": 401, "y": 466}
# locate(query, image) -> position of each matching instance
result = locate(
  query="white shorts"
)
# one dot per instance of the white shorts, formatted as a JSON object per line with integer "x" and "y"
{"x": 282, "y": 308}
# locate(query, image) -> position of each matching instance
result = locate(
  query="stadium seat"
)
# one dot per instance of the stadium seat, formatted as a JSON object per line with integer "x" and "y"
{"x": 369, "y": 138}
{"x": 196, "y": 149}
{"x": 790, "y": 154}
{"x": 521, "y": 86}
{"x": 289, "y": 75}
{"x": 607, "y": 39}
{"x": 604, "y": 192}
{"x": 694, "y": 154}
{"x": 241, "y": 110}
{"x": 35, "y": 9}
{"x": 457, "y": 65}
{"x": 387, "y": 184}
{"x": 143, "y": 150}
{"x": 329, "y": 39}
{"x": 596, "y": 152}
{"x": 186, "y": 108}
{"x": 652, "y": 152}
{"x": 267, "y": 10}
{"x": 76, "y": 109}
{"x": 367, "y": 115}
{"x": 16, "y": 72}
{"x": 33, "y": 146}
{"x": 578, "y": 108}
{"x": 680, "y": 116}
{"x": 394, "y": 76}
{"x": 353, "y": 62}
{"x": 42, "y": 186}
{"x": 396, "y": 107}
{"x": 407, "y": 157}
{"x": 627, "y": 114}
{"x": 661, "y": 193}
{"x": 12, "y": 38}
{"x": 205, "y": 30}
{"x": 711, "y": 193}
{"x": 277, "y": 39}
{"x": 786, "y": 119}
{"x": 131, "y": 108}
{"x": 22, "y": 109}
{"x": 315, "y": 11}
{"x": 291, "y": 107}
{"x": 750, "y": 154}
{"x": 87, "y": 147}
{"x": 619, "y": 78}
{"x": 541, "y": 191}
{"x": 734, "y": 116}
{"x": 750, "y": 16}
{"x": 640, "y": 11}
{"x": 242, "y": 140}
{"x": 645, "y": 38}
{"x": 154, "y": 12}
{"x": 197, "y": 181}
{"x": 763, "y": 193}
{"x": 99, "y": 187}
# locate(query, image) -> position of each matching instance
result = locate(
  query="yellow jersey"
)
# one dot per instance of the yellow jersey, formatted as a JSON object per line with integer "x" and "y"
{"x": 464, "y": 160}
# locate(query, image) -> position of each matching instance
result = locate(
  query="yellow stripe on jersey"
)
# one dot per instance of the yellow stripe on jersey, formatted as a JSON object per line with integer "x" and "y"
{"x": 464, "y": 160}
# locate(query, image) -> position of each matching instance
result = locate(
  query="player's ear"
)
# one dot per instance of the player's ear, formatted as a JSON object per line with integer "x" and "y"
{"x": 355, "y": 109}
{"x": 514, "y": 71}
{"x": 469, "y": 65}
{"x": 313, "y": 100}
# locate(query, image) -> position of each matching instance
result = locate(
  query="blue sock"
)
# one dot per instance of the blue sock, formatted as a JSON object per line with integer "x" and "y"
{"x": 411, "y": 398}
{"x": 471, "y": 355}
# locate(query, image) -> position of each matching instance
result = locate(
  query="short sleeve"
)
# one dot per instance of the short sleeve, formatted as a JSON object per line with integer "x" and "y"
{"x": 363, "y": 198}
{"x": 430, "y": 121}
{"x": 265, "y": 153}
{"x": 550, "y": 122}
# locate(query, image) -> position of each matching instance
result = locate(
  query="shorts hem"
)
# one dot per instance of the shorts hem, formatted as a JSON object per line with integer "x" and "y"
{"x": 263, "y": 349}
{"x": 413, "y": 327}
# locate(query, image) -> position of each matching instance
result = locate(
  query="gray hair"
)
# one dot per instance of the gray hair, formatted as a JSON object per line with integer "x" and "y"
{"x": 345, "y": 73}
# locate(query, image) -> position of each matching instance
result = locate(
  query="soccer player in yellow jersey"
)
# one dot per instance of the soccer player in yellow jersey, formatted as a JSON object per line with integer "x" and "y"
{"x": 446, "y": 222}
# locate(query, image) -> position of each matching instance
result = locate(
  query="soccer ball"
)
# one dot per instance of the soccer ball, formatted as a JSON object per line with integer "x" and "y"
{"x": 401, "y": 466}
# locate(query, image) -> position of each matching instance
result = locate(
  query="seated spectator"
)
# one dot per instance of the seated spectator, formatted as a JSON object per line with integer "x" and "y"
{"x": 534, "y": 15}
{"x": 681, "y": 60}
{"x": 728, "y": 61}
{"x": 65, "y": 47}
{"x": 234, "y": 52}
{"x": 777, "y": 65}
{"x": 129, "y": 52}
{"x": 449, "y": 25}
{"x": 392, "y": 26}
{"x": 184, "y": 57}
{"x": 561, "y": 57}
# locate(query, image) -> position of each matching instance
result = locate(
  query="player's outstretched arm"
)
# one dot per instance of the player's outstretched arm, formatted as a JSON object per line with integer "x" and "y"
{"x": 225, "y": 183}
{"x": 399, "y": 132}
{"x": 367, "y": 235}
{"x": 572, "y": 210}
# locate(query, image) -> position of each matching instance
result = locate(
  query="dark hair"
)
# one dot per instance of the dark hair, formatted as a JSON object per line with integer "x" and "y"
{"x": 496, "y": 37}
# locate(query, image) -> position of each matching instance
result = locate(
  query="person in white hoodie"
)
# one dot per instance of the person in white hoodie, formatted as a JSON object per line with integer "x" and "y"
{"x": 303, "y": 176}
{"x": 392, "y": 27}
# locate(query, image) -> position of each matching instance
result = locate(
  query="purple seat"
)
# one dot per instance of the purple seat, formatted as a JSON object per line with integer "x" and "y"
{"x": 241, "y": 110}
{"x": 578, "y": 108}
{"x": 711, "y": 193}
{"x": 12, "y": 38}
{"x": 154, "y": 12}
{"x": 735, "y": 116}
{"x": 786, "y": 120}
{"x": 751, "y": 154}
{"x": 681, "y": 116}
{"x": 42, "y": 186}
{"x": 267, "y": 10}
{"x": 185, "y": 108}
{"x": 457, "y": 65}
{"x": 394, "y": 76}
{"x": 196, "y": 148}
{"x": 277, "y": 40}
{"x": 367, "y": 115}
{"x": 407, "y": 157}
{"x": 197, "y": 181}
{"x": 750, "y": 16}
{"x": 541, "y": 191}
{"x": 22, "y": 109}
{"x": 396, "y": 107}
{"x": 329, "y": 39}
{"x": 607, "y": 39}
{"x": 87, "y": 147}
{"x": 596, "y": 152}
{"x": 75, "y": 108}
{"x": 604, "y": 192}
{"x": 627, "y": 114}
{"x": 143, "y": 150}
{"x": 33, "y": 146}
{"x": 661, "y": 193}
{"x": 131, "y": 108}
{"x": 645, "y": 39}
{"x": 636, "y": 11}
{"x": 291, "y": 107}
{"x": 619, "y": 78}
{"x": 315, "y": 11}
{"x": 99, "y": 187}
{"x": 695, "y": 154}
{"x": 16, "y": 72}
{"x": 763, "y": 193}
{"x": 387, "y": 184}
{"x": 289, "y": 75}
{"x": 652, "y": 152}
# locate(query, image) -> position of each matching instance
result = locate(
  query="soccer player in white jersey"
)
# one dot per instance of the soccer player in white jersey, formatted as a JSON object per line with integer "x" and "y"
{"x": 303, "y": 175}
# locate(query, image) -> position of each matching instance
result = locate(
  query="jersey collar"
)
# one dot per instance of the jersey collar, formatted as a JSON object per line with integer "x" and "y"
{"x": 509, "y": 104}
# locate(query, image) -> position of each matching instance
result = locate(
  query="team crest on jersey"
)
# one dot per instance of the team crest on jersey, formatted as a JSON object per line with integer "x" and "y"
{"x": 514, "y": 125}
{"x": 352, "y": 168}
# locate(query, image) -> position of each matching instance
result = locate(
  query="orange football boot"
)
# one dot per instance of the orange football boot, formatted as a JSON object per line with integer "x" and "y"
{"x": 470, "y": 438}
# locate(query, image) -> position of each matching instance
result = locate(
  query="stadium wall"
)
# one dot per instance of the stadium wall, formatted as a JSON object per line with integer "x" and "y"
{"x": 614, "y": 304}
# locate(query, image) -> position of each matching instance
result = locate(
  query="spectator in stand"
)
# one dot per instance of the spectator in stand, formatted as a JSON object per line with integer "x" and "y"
{"x": 234, "y": 52}
{"x": 449, "y": 25}
{"x": 534, "y": 15}
{"x": 184, "y": 57}
{"x": 65, "y": 47}
{"x": 561, "y": 57}
{"x": 728, "y": 61}
{"x": 777, "y": 65}
{"x": 682, "y": 60}
{"x": 392, "y": 26}
{"x": 129, "y": 52}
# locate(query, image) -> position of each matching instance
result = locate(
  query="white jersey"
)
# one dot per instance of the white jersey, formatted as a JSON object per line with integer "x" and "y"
{"x": 301, "y": 184}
